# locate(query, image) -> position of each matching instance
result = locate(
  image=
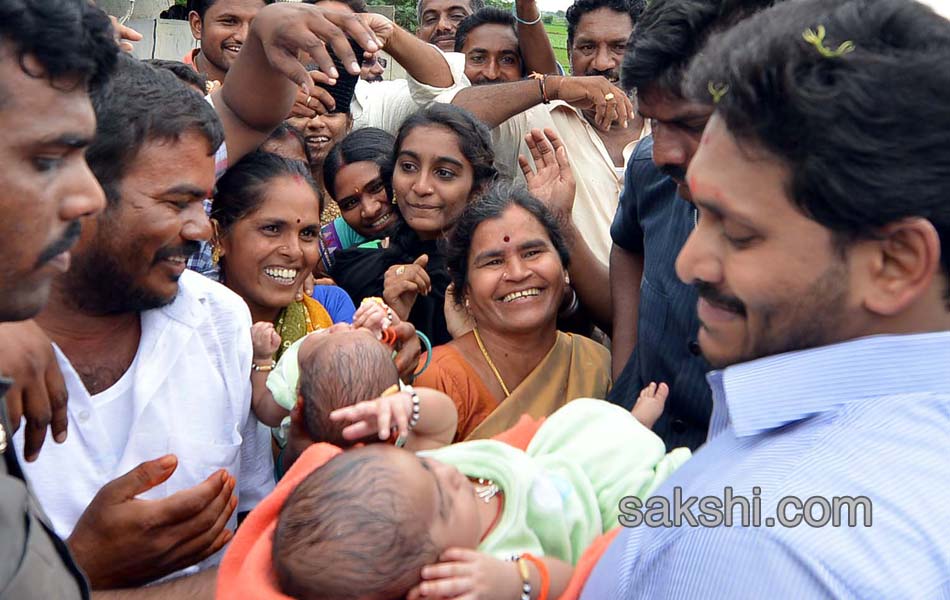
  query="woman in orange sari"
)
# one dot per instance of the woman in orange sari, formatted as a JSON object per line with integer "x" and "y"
{"x": 508, "y": 259}
{"x": 266, "y": 220}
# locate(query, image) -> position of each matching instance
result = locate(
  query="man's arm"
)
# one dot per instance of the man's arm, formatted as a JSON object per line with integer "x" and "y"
{"x": 626, "y": 271}
{"x": 494, "y": 104}
{"x": 199, "y": 586}
{"x": 261, "y": 85}
{"x": 534, "y": 41}
{"x": 423, "y": 62}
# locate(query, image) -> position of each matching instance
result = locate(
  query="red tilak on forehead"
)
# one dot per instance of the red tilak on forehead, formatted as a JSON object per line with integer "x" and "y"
{"x": 507, "y": 239}
{"x": 298, "y": 178}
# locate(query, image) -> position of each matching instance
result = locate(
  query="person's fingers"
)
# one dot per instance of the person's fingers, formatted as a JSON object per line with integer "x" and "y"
{"x": 353, "y": 27}
{"x": 286, "y": 62}
{"x": 626, "y": 113}
{"x": 400, "y": 414}
{"x": 140, "y": 479}
{"x": 533, "y": 149}
{"x": 384, "y": 418}
{"x": 321, "y": 100}
{"x": 443, "y": 570}
{"x": 449, "y": 587}
{"x": 36, "y": 409}
{"x": 184, "y": 505}
{"x": 422, "y": 261}
{"x": 359, "y": 430}
{"x": 457, "y": 553}
{"x": 14, "y": 400}
{"x": 525, "y": 168}
{"x": 210, "y": 526}
{"x": 600, "y": 109}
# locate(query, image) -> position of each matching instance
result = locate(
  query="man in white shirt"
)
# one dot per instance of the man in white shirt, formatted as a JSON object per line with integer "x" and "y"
{"x": 157, "y": 361}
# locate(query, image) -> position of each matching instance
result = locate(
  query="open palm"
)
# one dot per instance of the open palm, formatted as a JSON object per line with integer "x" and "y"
{"x": 551, "y": 181}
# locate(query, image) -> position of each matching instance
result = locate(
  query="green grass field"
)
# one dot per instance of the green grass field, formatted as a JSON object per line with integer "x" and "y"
{"x": 557, "y": 32}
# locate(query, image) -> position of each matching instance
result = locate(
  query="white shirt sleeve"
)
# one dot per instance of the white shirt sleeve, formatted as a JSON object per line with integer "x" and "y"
{"x": 388, "y": 103}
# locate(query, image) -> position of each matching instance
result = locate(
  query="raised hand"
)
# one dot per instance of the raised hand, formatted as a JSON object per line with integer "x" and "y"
{"x": 122, "y": 541}
{"x": 553, "y": 182}
{"x": 402, "y": 283}
{"x": 610, "y": 104}
{"x": 284, "y": 29}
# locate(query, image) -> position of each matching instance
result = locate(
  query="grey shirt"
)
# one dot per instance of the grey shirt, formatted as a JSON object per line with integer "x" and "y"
{"x": 34, "y": 562}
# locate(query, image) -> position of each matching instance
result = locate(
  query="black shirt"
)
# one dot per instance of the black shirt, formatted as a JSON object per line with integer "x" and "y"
{"x": 652, "y": 220}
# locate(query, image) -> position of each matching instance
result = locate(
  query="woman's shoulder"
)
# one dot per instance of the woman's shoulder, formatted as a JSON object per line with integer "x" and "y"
{"x": 447, "y": 364}
{"x": 586, "y": 345}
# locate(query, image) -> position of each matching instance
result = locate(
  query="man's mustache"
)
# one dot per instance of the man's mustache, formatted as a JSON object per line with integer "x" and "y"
{"x": 61, "y": 245}
{"x": 611, "y": 74}
{"x": 710, "y": 294}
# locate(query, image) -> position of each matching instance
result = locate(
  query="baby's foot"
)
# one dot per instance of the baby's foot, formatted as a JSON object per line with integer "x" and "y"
{"x": 650, "y": 403}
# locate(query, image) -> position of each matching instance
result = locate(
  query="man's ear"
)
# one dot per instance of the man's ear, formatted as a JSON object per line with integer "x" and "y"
{"x": 905, "y": 263}
{"x": 194, "y": 21}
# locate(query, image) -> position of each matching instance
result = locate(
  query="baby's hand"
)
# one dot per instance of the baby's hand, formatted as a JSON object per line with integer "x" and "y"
{"x": 265, "y": 340}
{"x": 377, "y": 417}
{"x": 464, "y": 573}
{"x": 650, "y": 403}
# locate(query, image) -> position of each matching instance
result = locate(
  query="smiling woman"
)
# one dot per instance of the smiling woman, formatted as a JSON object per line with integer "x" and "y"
{"x": 508, "y": 257}
{"x": 442, "y": 160}
{"x": 266, "y": 216}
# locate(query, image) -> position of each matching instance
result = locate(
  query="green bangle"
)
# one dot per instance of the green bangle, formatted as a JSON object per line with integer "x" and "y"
{"x": 428, "y": 346}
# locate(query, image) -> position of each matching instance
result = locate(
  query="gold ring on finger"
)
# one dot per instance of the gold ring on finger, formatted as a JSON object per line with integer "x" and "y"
{"x": 609, "y": 96}
{"x": 309, "y": 98}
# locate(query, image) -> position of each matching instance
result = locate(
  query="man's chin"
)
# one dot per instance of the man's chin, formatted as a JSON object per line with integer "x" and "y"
{"x": 446, "y": 45}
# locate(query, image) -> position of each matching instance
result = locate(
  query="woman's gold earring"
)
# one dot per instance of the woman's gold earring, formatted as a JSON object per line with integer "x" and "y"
{"x": 394, "y": 198}
{"x": 215, "y": 254}
{"x": 567, "y": 280}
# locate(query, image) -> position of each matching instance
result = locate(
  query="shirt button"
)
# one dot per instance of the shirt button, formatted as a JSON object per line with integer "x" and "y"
{"x": 678, "y": 426}
{"x": 83, "y": 416}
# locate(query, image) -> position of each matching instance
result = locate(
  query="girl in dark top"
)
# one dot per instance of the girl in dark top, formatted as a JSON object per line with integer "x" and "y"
{"x": 442, "y": 160}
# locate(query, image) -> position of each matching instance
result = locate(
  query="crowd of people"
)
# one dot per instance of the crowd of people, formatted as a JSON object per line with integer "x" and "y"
{"x": 273, "y": 327}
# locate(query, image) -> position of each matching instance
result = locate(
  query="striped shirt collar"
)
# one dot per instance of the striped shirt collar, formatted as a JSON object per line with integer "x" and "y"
{"x": 774, "y": 391}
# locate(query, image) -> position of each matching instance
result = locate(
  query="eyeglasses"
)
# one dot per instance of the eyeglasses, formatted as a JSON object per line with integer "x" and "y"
{"x": 369, "y": 62}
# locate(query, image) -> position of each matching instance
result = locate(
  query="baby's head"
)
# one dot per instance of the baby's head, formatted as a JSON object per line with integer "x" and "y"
{"x": 338, "y": 368}
{"x": 363, "y": 525}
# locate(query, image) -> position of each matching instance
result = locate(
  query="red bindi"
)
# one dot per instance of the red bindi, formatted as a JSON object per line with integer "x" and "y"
{"x": 507, "y": 239}
{"x": 298, "y": 178}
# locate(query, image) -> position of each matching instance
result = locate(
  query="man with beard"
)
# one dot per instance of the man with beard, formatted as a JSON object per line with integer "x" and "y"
{"x": 221, "y": 26}
{"x": 822, "y": 261}
{"x": 654, "y": 323}
{"x": 156, "y": 361}
{"x": 593, "y": 120}
{"x": 52, "y": 53}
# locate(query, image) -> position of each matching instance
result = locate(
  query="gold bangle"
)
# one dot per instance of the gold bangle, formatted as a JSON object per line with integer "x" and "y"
{"x": 263, "y": 368}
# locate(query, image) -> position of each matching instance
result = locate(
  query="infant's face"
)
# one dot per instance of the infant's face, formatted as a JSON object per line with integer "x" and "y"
{"x": 445, "y": 498}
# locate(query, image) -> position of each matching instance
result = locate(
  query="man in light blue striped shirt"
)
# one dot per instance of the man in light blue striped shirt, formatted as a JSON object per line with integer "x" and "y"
{"x": 822, "y": 262}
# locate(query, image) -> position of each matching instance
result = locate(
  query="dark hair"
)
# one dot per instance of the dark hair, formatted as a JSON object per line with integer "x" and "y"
{"x": 863, "y": 134}
{"x": 475, "y": 5}
{"x": 202, "y": 6}
{"x": 582, "y": 7}
{"x": 140, "y": 105}
{"x": 348, "y": 532}
{"x": 347, "y": 368}
{"x": 67, "y": 37}
{"x": 668, "y": 34}
{"x": 473, "y": 138}
{"x": 286, "y": 130}
{"x": 240, "y": 191}
{"x": 368, "y": 144}
{"x": 492, "y": 205}
{"x": 184, "y": 72}
{"x": 357, "y": 6}
{"x": 489, "y": 15}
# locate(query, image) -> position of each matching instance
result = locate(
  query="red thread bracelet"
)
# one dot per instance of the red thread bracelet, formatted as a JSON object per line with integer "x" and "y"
{"x": 543, "y": 572}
